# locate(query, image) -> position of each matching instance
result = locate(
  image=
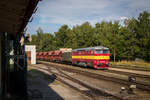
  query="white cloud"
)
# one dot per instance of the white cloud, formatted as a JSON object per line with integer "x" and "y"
{"x": 70, "y": 11}
{"x": 71, "y": 7}
{"x": 123, "y": 18}
{"x": 140, "y": 4}
{"x": 73, "y": 12}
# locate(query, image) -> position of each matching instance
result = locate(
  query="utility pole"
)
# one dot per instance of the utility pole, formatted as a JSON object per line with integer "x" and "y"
{"x": 114, "y": 46}
{"x": 114, "y": 52}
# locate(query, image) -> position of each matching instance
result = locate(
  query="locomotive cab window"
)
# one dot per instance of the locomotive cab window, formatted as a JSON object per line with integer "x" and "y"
{"x": 98, "y": 51}
{"x": 106, "y": 51}
{"x": 101, "y": 51}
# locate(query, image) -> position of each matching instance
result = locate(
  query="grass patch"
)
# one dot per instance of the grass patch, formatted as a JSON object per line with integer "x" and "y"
{"x": 141, "y": 65}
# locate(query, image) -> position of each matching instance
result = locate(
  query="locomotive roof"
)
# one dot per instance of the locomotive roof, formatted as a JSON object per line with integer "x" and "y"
{"x": 91, "y": 48}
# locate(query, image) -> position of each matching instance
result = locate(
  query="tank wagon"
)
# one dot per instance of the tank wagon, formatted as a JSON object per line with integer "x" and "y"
{"x": 96, "y": 57}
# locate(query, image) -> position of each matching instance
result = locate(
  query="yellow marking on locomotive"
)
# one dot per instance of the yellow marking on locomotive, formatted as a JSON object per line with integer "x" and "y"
{"x": 90, "y": 57}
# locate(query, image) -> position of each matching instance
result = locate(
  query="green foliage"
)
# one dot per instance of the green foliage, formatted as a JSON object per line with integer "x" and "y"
{"x": 43, "y": 41}
{"x": 130, "y": 41}
{"x": 83, "y": 35}
{"x": 62, "y": 37}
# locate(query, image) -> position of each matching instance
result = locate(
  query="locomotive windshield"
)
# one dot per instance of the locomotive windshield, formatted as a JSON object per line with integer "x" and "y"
{"x": 101, "y": 51}
{"x": 98, "y": 51}
{"x": 106, "y": 51}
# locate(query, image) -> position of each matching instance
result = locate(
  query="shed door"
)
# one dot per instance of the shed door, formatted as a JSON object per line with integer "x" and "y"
{"x": 29, "y": 57}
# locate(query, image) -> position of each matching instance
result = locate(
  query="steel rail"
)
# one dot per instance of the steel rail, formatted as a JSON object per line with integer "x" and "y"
{"x": 104, "y": 77}
{"x": 92, "y": 93}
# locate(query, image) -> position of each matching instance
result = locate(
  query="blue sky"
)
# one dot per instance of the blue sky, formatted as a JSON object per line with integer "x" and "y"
{"x": 51, "y": 14}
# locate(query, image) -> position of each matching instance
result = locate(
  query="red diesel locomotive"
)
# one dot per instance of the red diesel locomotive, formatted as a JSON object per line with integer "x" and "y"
{"x": 96, "y": 57}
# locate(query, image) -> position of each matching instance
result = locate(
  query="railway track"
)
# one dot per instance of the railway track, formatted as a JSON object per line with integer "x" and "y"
{"x": 90, "y": 91}
{"x": 123, "y": 72}
{"x": 87, "y": 90}
{"x": 135, "y": 67}
{"x": 129, "y": 73}
{"x": 139, "y": 85}
{"x": 95, "y": 76}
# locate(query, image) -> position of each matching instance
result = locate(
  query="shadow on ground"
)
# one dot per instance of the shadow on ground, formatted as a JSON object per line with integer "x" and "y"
{"x": 39, "y": 86}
